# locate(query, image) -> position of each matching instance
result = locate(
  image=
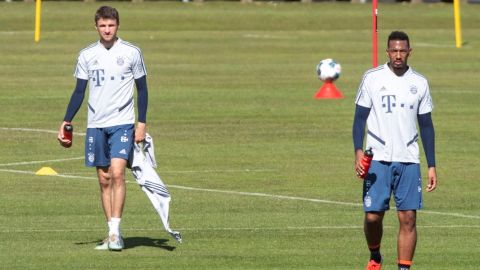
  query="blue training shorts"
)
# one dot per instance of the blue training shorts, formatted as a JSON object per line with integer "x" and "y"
{"x": 103, "y": 144}
{"x": 385, "y": 178}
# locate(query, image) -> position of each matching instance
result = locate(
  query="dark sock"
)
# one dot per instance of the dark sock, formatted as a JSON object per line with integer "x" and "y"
{"x": 404, "y": 264}
{"x": 375, "y": 255}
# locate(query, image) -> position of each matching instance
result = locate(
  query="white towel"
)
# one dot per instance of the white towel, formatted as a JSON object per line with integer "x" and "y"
{"x": 143, "y": 164}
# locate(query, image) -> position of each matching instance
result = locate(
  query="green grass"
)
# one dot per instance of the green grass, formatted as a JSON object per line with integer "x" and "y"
{"x": 231, "y": 109}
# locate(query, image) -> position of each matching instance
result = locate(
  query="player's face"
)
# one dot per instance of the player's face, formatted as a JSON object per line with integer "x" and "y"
{"x": 107, "y": 30}
{"x": 398, "y": 52}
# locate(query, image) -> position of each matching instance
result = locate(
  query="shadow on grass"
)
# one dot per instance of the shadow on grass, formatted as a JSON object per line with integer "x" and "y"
{"x": 133, "y": 242}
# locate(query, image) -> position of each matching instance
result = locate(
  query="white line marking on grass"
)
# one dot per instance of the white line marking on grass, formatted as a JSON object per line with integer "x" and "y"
{"x": 433, "y": 45}
{"x": 40, "y": 161}
{"x": 38, "y": 130}
{"x": 266, "y": 195}
{"x": 345, "y": 227}
{"x": 448, "y": 226}
{"x": 58, "y": 175}
{"x": 223, "y": 171}
{"x": 287, "y": 228}
{"x": 268, "y": 36}
{"x": 448, "y": 214}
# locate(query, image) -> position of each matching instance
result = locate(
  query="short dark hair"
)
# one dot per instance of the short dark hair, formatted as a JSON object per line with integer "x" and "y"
{"x": 398, "y": 35}
{"x": 106, "y": 12}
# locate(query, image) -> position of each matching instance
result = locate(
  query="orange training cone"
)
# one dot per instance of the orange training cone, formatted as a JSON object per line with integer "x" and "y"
{"x": 328, "y": 90}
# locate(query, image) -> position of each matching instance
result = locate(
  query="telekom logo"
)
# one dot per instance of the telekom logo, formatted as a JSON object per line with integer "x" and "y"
{"x": 97, "y": 76}
{"x": 388, "y": 102}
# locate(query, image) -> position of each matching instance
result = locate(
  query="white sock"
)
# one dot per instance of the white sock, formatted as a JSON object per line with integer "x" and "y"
{"x": 109, "y": 223}
{"x": 114, "y": 226}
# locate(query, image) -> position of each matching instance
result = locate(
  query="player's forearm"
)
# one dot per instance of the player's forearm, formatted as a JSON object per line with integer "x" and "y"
{"x": 76, "y": 100}
{"x": 359, "y": 123}
{"x": 142, "y": 98}
{"x": 427, "y": 132}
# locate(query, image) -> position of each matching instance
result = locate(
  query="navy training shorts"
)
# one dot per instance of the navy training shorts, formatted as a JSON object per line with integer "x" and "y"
{"x": 103, "y": 144}
{"x": 403, "y": 180}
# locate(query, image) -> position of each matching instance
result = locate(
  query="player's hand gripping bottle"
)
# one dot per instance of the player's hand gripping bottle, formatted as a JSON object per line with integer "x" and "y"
{"x": 68, "y": 132}
{"x": 366, "y": 161}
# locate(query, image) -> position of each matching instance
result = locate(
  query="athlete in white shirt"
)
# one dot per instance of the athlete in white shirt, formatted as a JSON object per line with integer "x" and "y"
{"x": 394, "y": 103}
{"x": 391, "y": 100}
{"x": 110, "y": 67}
{"x": 106, "y": 69}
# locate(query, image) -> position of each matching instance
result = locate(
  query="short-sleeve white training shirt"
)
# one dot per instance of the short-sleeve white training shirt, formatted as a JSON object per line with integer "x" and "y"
{"x": 111, "y": 74}
{"x": 394, "y": 102}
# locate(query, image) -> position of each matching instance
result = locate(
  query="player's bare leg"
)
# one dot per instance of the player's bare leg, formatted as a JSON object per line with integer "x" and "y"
{"x": 112, "y": 187}
{"x": 407, "y": 236}
{"x": 104, "y": 180}
{"x": 118, "y": 191}
{"x": 373, "y": 228}
{"x": 117, "y": 172}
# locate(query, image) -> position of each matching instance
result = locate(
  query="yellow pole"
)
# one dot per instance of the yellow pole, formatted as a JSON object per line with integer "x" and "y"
{"x": 38, "y": 11}
{"x": 458, "y": 28}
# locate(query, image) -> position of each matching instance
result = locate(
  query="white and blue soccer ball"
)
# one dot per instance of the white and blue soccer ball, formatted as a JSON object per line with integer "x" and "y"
{"x": 328, "y": 70}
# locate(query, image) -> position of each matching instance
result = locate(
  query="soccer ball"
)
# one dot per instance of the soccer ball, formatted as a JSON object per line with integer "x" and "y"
{"x": 328, "y": 70}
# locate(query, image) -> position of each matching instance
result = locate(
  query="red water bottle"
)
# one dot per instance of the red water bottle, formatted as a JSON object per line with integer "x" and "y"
{"x": 366, "y": 161}
{"x": 68, "y": 132}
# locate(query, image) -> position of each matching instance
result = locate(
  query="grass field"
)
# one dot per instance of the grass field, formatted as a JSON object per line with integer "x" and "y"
{"x": 261, "y": 174}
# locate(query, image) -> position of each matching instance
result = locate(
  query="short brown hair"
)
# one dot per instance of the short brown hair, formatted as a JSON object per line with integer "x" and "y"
{"x": 106, "y": 12}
